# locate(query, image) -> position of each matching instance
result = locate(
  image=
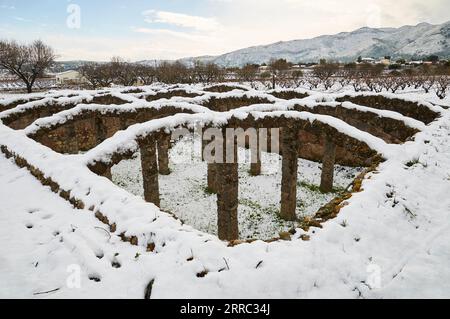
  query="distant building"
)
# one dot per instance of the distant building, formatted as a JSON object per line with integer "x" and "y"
{"x": 385, "y": 62}
{"x": 70, "y": 77}
{"x": 264, "y": 68}
{"x": 368, "y": 60}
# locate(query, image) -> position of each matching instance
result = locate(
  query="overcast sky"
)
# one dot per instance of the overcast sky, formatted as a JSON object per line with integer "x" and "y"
{"x": 170, "y": 29}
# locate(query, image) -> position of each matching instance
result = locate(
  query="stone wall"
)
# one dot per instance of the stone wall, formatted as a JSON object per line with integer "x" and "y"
{"x": 169, "y": 95}
{"x": 388, "y": 129}
{"x": 410, "y": 109}
{"x": 228, "y": 104}
{"x": 83, "y": 132}
{"x": 289, "y": 95}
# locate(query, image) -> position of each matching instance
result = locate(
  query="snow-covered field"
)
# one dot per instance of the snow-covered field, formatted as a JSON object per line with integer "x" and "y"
{"x": 184, "y": 191}
{"x": 391, "y": 240}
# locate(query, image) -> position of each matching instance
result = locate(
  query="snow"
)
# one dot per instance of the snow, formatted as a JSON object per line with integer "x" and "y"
{"x": 259, "y": 196}
{"x": 397, "y": 227}
{"x": 408, "y": 41}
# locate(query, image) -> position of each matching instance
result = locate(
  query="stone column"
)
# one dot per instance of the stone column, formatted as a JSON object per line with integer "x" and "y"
{"x": 163, "y": 154}
{"x": 255, "y": 166}
{"x": 212, "y": 167}
{"x": 204, "y": 143}
{"x": 289, "y": 148}
{"x": 212, "y": 177}
{"x": 329, "y": 159}
{"x": 228, "y": 195}
{"x": 150, "y": 172}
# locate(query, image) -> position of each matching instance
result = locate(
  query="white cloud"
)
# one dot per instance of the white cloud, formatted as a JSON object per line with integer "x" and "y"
{"x": 5, "y": 6}
{"x": 181, "y": 20}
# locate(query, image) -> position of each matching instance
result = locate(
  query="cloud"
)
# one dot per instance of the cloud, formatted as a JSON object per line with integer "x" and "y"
{"x": 21, "y": 19}
{"x": 171, "y": 33}
{"x": 5, "y": 6}
{"x": 182, "y": 20}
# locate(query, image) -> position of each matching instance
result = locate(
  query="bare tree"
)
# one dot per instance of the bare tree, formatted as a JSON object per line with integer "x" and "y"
{"x": 172, "y": 73}
{"x": 325, "y": 73}
{"x": 297, "y": 78}
{"x": 280, "y": 70}
{"x": 27, "y": 62}
{"x": 247, "y": 73}
{"x": 98, "y": 74}
{"x": 344, "y": 76}
{"x": 123, "y": 72}
{"x": 313, "y": 82}
{"x": 428, "y": 82}
{"x": 146, "y": 74}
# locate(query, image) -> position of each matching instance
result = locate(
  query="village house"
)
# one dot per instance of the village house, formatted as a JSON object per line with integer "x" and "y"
{"x": 69, "y": 77}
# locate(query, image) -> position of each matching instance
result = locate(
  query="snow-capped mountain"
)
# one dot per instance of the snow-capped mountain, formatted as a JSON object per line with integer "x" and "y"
{"x": 408, "y": 41}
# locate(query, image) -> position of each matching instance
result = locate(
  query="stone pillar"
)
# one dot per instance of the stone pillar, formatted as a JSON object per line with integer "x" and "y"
{"x": 163, "y": 154}
{"x": 255, "y": 165}
{"x": 212, "y": 177}
{"x": 329, "y": 159}
{"x": 150, "y": 172}
{"x": 289, "y": 148}
{"x": 212, "y": 167}
{"x": 204, "y": 143}
{"x": 227, "y": 195}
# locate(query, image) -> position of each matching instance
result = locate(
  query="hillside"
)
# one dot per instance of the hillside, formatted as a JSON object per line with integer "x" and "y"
{"x": 408, "y": 41}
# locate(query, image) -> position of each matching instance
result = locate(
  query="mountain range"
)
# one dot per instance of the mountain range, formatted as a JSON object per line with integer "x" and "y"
{"x": 416, "y": 41}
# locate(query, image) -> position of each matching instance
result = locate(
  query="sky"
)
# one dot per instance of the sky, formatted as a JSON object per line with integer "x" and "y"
{"x": 171, "y": 29}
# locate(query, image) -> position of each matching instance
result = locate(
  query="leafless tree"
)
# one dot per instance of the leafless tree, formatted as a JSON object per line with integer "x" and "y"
{"x": 297, "y": 78}
{"x": 146, "y": 74}
{"x": 247, "y": 73}
{"x": 344, "y": 76}
{"x": 207, "y": 72}
{"x": 97, "y": 74}
{"x": 123, "y": 72}
{"x": 27, "y": 62}
{"x": 442, "y": 85}
{"x": 428, "y": 83}
{"x": 280, "y": 71}
{"x": 173, "y": 73}
{"x": 325, "y": 72}
{"x": 312, "y": 81}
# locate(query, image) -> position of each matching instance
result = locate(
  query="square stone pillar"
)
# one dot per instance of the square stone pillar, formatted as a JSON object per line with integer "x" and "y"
{"x": 150, "y": 172}
{"x": 212, "y": 177}
{"x": 228, "y": 194}
{"x": 163, "y": 154}
{"x": 255, "y": 165}
{"x": 328, "y": 162}
{"x": 289, "y": 148}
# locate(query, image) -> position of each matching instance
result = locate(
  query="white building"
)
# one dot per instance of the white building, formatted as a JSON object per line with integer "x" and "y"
{"x": 70, "y": 77}
{"x": 368, "y": 60}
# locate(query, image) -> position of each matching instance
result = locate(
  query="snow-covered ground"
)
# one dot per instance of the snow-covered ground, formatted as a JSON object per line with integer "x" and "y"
{"x": 45, "y": 241}
{"x": 184, "y": 191}
{"x": 391, "y": 240}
